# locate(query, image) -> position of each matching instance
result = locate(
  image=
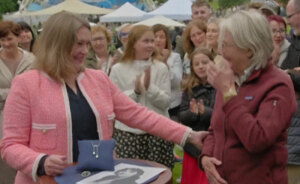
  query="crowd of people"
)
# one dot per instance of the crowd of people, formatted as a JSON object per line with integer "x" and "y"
{"x": 227, "y": 90}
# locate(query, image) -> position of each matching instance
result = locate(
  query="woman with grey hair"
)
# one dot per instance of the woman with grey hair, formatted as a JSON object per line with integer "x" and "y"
{"x": 254, "y": 104}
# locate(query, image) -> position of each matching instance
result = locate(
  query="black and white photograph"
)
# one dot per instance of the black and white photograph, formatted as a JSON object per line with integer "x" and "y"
{"x": 124, "y": 174}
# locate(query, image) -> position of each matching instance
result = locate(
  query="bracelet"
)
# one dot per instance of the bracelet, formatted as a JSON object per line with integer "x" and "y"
{"x": 229, "y": 94}
{"x": 189, "y": 136}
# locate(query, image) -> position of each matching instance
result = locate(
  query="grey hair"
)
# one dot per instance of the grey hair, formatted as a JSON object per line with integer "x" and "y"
{"x": 249, "y": 30}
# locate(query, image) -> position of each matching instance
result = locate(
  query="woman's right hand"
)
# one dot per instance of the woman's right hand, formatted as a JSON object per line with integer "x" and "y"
{"x": 209, "y": 166}
{"x": 55, "y": 164}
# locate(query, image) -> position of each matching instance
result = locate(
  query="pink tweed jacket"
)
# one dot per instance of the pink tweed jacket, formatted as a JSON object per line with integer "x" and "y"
{"x": 37, "y": 118}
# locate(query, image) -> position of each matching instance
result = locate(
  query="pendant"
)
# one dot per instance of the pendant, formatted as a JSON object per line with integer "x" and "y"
{"x": 96, "y": 150}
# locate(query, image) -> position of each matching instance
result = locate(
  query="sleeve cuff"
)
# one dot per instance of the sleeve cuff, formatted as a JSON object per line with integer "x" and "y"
{"x": 35, "y": 167}
{"x": 185, "y": 136}
{"x": 41, "y": 168}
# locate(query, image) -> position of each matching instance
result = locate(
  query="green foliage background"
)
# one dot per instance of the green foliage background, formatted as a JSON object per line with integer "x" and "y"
{"x": 8, "y": 6}
{"x": 231, "y": 3}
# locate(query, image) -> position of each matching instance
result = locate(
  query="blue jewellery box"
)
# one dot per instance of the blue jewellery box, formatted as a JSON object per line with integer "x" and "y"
{"x": 96, "y": 155}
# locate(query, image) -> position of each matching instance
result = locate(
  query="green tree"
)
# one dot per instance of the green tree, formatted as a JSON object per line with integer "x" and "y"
{"x": 8, "y": 6}
{"x": 231, "y": 3}
{"x": 159, "y": 2}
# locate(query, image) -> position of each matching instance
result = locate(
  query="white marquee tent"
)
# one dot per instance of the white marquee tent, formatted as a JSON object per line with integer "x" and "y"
{"x": 126, "y": 13}
{"x": 173, "y": 9}
{"x": 75, "y": 6}
{"x": 160, "y": 20}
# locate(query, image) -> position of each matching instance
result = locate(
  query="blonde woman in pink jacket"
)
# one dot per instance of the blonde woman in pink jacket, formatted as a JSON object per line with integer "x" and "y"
{"x": 59, "y": 102}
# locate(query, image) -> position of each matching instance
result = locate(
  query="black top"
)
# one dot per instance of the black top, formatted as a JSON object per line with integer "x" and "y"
{"x": 84, "y": 126}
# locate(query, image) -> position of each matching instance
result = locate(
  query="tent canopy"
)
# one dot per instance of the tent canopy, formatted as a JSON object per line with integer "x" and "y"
{"x": 173, "y": 9}
{"x": 74, "y": 6}
{"x": 126, "y": 13}
{"x": 160, "y": 20}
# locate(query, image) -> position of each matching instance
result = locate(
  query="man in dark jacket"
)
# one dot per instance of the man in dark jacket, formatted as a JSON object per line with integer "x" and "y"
{"x": 292, "y": 65}
{"x": 292, "y": 61}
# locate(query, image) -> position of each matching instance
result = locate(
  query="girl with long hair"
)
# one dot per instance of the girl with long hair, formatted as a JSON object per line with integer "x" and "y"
{"x": 195, "y": 111}
{"x": 145, "y": 80}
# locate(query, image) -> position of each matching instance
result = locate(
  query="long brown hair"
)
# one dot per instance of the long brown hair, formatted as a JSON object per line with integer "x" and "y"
{"x": 54, "y": 45}
{"x": 160, "y": 27}
{"x": 188, "y": 45}
{"x": 193, "y": 80}
{"x": 135, "y": 34}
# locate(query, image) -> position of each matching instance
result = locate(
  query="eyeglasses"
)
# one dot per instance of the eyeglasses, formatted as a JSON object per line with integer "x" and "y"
{"x": 121, "y": 34}
{"x": 224, "y": 45}
{"x": 280, "y": 31}
{"x": 291, "y": 15}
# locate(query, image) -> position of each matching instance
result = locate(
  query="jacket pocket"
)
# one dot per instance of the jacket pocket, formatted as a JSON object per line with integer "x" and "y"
{"x": 44, "y": 136}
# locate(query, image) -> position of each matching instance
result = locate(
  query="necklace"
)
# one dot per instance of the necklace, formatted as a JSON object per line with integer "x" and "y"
{"x": 95, "y": 149}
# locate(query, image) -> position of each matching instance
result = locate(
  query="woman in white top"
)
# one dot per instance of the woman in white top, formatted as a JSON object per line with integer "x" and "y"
{"x": 173, "y": 60}
{"x": 146, "y": 81}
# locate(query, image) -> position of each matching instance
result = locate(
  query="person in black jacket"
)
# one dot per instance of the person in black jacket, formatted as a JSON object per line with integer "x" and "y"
{"x": 292, "y": 65}
{"x": 292, "y": 61}
{"x": 195, "y": 110}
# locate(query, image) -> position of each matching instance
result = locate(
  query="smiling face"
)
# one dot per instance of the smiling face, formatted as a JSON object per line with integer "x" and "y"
{"x": 200, "y": 12}
{"x": 160, "y": 40}
{"x": 80, "y": 47}
{"x": 197, "y": 36}
{"x": 278, "y": 32}
{"x": 99, "y": 42}
{"x": 199, "y": 65}
{"x": 144, "y": 47}
{"x": 9, "y": 42}
{"x": 212, "y": 34}
{"x": 25, "y": 36}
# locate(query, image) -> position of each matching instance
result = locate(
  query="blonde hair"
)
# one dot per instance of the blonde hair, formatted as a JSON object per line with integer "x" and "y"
{"x": 193, "y": 80}
{"x": 135, "y": 34}
{"x": 188, "y": 45}
{"x": 101, "y": 28}
{"x": 54, "y": 45}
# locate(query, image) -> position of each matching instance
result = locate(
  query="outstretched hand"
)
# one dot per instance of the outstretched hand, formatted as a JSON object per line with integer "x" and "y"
{"x": 197, "y": 138}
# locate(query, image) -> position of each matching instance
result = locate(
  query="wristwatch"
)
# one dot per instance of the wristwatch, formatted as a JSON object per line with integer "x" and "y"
{"x": 229, "y": 94}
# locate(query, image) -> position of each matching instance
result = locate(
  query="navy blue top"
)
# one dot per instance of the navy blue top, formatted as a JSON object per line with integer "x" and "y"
{"x": 84, "y": 126}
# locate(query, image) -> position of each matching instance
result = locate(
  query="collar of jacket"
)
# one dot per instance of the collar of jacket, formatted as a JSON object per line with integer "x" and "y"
{"x": 256, "y": 73}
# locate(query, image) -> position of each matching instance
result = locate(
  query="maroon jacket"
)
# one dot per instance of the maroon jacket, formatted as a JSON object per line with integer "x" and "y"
{"x": 249, "y": 133}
